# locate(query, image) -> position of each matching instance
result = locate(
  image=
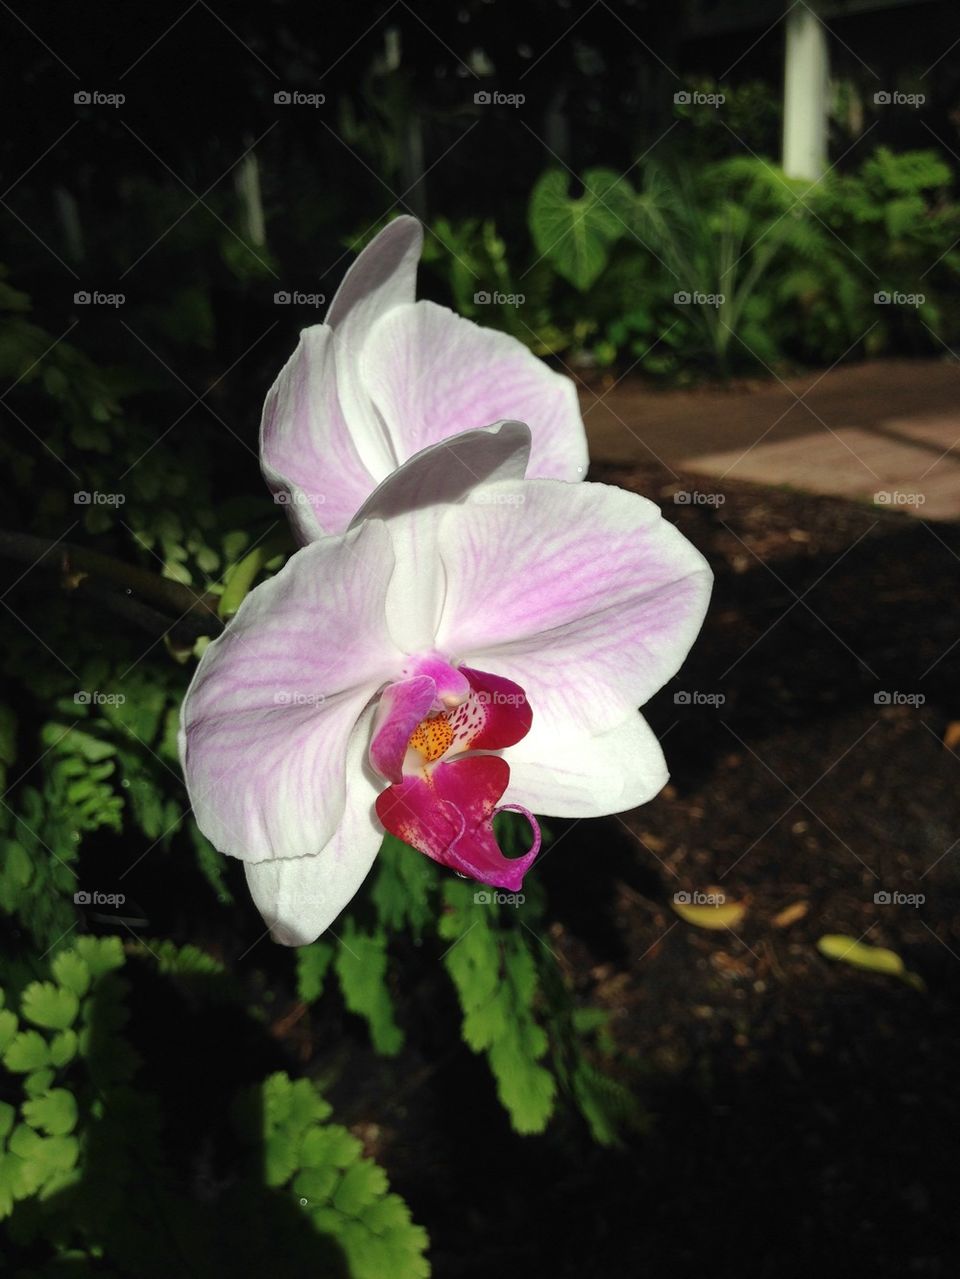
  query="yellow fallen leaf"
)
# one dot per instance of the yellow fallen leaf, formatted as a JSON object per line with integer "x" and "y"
{"x": 875, "y": 959}
{"x": 708, "y": 910}
{"x": 790, "y": 914}
{"x": 951, "y": 735}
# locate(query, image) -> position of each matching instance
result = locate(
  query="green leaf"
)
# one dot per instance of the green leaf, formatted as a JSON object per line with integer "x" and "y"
{"x": 63, "y": 1048}
{"x": 404, "y": 887}
{"x": 100, "y": 954}
{"x": 241, "y": 576}
{"x": 43, "y": 1155}
{"x": 312, "y": 964}
{"x": 48, "y": 1005}
{"x": 496, "y": 981}
{"x": 332, "y": 1146}
{"x": 361, "y": 966}
{"x": 27, "y": 1051}
{"x": 576, "y": 234}
{"x": 38, "y": 1081}
{"x": 8, "y": 1027}
{"x": 362, "y": 1183}
{"x": 8, "y": 1115}
{"x": 55, "y": 1113}
{"x": 875, "y": 959}
{"x": 71, "y": 972}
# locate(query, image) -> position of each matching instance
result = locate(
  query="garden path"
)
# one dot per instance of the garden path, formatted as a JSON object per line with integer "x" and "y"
{"x": 885, "y": 431}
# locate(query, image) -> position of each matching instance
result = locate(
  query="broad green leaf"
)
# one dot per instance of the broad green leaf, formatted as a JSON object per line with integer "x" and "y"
{"x": 576, "y": 234}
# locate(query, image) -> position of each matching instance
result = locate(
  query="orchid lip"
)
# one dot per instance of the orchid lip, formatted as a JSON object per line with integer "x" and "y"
{"x": 446, "y": 783}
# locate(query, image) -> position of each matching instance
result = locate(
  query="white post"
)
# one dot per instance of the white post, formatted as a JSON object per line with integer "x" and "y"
{"x": 806, "y": 71}
{"x": 247, "y": 182}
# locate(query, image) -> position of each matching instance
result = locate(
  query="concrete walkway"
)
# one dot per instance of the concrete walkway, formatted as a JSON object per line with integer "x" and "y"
{"x": 885, "y": 432}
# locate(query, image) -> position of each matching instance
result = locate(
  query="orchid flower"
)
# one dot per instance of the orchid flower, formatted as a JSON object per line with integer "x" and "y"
{"x": 386, "y": 377}
{"x": 474, "y": 640}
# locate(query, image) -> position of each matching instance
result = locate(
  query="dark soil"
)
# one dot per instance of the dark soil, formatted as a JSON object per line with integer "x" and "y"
{"x": 802, "y": 1113}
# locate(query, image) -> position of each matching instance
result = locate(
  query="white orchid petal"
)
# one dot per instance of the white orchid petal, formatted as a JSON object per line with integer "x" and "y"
{"x": 580, "y": 593}
{"x": 383, "y": 277}
{"x": 300, "y": 897}
{"x": 413, "y": 500}
{"x": 267, "y": 718}
{"x": 432, "y": 373}
{"x": 322, "y": 445}
{"x": 561, "y": 770}
{"x": 308, "y": 451}
{"x": 450, "y": 470}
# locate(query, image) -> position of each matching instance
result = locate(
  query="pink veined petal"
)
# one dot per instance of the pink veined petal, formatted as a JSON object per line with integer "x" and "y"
{"x": 450, "y": 470}
{"x": 560, "y": 770}
{"x": 495, "y": 715}
{"x": 401, "y": 708}
{"x": 448, "y": 817}
{"x": 384, "y": 276}
{"x": 413, "y": 499}
{"x": 433, "y": 374}
{"x": 322, "y": 445}
{"x": 308, "y": 452}
{"x": 582, "y": 594}
{"x": 266, "y": 720}
{"x": 300, "y": 897}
